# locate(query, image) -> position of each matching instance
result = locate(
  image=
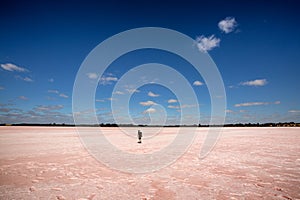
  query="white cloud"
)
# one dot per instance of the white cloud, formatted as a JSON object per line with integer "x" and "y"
{"x": 111, "y": 99}
{"x": 23, "y": 98}
{"x": 173, "y": 107}
{"x": 255, "y": 104}
{"x": 118, "y": 92}
{"x": 63, "y": 95}
{"x": 11, "y": 67}
{"x": 92, "y": 75}
{"x": 59, "y": 94}
{"x": 189, "y": 105}
{"x": 51, "y": 80}
{"x": 183, "y": 106}
{"x": 251, "y": 104}
{"x": 132, "y": 90}
{"x": 197, "y": 83}
{"x": 229, "y": 111}
{"x": 27, "y": 79}
{"x": 172, "y": 101}
{"x": 151, "y": 94}
{"x": 109, "y": 78}
{"x": 53, "y": 91}
{"x": 39, "y": 114}
{"x": 277, "y": 102}
{"x": 257, "y": 82}
{"x": 104, "y": 80}
{"x": 227, "y": 25}
{"x": 100, "y": 100}
{"x": 294, "y": 111}
{"x": 205, "y": 44}
{"x": 148, "y": 103}
{"x": 2, "y": 88}
{"x": 150, "y": 110}
{"x": 48, "y": 108}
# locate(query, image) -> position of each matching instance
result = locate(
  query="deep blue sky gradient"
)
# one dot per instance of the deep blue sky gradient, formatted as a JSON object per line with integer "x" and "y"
{"x": 52, "y": 38}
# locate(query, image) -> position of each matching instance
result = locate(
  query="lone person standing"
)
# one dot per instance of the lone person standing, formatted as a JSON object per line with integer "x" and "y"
{"x": 140, "y": 135}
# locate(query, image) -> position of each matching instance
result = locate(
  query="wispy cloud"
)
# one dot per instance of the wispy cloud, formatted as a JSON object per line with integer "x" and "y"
{"x": 38, "y": 114}
{"x": 48, "y": 107}
{"x": 150, "y": 110}
{"x": 236, "y": 112}
{"x": 277, "y": 102}
{"x": 131, "y": 90}
{"x": 173, "y": 107}
{"x": 294, "y": 111}
{"x": 197, "y": 83}
{"x": 92, "y": 75}
{"x": 255, "y": 104}
{"x": 2, "y": 88}
{"x": 100, "y": 100}
{"x": 12, "y": 67}
{"x": 53, "y": 91}
{"x": 251, "y": 104}
{"x": 148, "y": 103}
{"x": 189, "y": 105}
{"x": 109, "y": 78}
{"x": 6, "y": 104}
{"x": 257, "y": 82}
{"x": 51, "y": 80}
{"x": 58, "y": 93}
{"x": 229, "y": 111}
{"x": 232, "y": 86}
{"x": 111, "y": 99}
{"x": 151, "y": 94}
{"x": 182, "y": 106}
{"x": 228, "y": 24}
{"x": 172, "y": 101}
{"x": 27, "y": 79}
{"x": 5, "y": 110}
{"x": 63, "y": 95}
{"x": 105, "y": 80}
{"x": 118, "y": 92}
{"x": 23, "y": 98}
{"x": 205, "y": 44}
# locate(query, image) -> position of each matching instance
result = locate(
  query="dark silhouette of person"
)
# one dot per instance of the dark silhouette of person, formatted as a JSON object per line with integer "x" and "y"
{"x": 140, "y": 135}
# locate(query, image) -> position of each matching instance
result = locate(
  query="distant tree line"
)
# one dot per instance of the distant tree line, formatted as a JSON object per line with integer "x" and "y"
{"x": 279, "y": 124}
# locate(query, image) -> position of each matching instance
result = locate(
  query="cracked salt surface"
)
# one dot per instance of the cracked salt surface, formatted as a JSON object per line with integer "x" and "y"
{"x": 246, "y": 163}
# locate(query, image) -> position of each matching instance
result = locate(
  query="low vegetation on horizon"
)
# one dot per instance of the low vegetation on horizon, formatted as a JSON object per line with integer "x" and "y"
{"x": 279, "y": 124}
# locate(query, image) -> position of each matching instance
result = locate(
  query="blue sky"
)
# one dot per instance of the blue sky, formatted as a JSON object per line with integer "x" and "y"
{"x": 254, "y": 44}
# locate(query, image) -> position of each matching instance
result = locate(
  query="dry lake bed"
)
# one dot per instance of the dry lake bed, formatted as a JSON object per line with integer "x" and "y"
{"x": 246, "y": 163}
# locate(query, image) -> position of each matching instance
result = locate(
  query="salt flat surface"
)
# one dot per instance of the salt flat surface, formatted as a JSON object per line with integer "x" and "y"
{"x": 246, "y": 163}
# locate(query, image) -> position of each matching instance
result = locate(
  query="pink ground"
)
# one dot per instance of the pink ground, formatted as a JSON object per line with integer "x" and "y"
{"x": 246, "y": 163}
